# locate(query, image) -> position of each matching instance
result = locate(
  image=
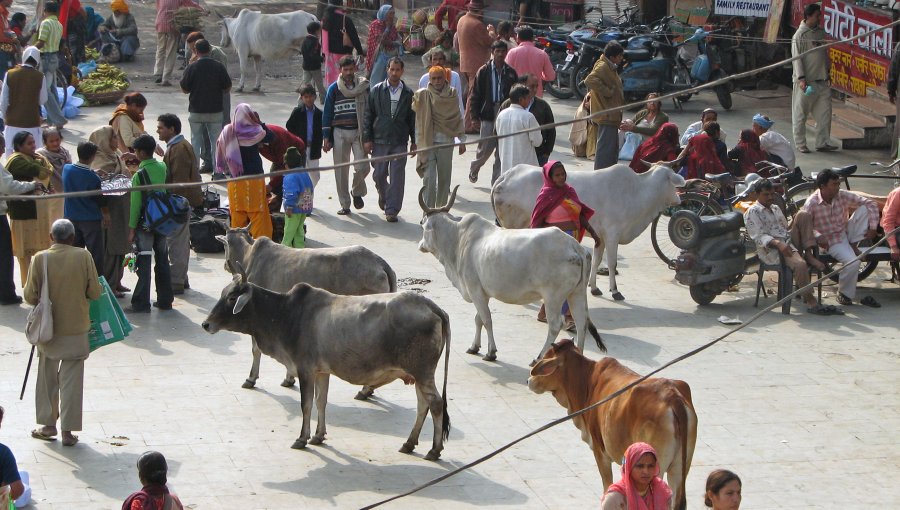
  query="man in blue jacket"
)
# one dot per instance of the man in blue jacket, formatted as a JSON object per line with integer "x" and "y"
{"x": 390, "y": 123}
{"x": 88, "y": 214}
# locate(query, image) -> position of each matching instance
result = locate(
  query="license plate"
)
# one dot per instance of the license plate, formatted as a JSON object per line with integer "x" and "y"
{"x": 569, "y": 57}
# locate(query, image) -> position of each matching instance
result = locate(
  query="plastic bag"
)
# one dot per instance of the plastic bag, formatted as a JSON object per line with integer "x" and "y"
{"x": 108, "y": 322}
{"x": 632, "y": 142}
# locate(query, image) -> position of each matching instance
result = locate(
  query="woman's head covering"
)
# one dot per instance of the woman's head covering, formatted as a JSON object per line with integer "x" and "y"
{"x": 243, "y": 131}
{"x": 660, "y": 491}
{"x": 383, "y": 11}
{"x": 551, "y": 196}
{"x": 119, "y": 5}
{"x": 703, "y": 158}
{"x": 751, "y": 153}
{"x": 663, "y": 146}
{"x": 107, "y": 158}
{"x": 33, "y": 53}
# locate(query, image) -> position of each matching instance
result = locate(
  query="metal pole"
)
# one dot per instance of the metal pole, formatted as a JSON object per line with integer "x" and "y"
{"x": 27, "y": 371}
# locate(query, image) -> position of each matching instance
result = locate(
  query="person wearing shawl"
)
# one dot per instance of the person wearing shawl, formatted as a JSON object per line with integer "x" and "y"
{"x": 438, "y": 122}
{"x": 583, "y": 136}
{"x": 153, "y": 473}
{"x": 128, "y": 120}
{"x": 31, "y": 219}
{"x": 109, "y": 162}
{"x": 122, "y": 25}
{"x": 663, "y": 146}
{"x": 56, "y": 154}
{"x": 337, "y": 28}
{"x": 558, "y": 206}
{"x": 701, "y": 157}
{"x": 237, "y": 154}
{"x": 640, "y": 488}
{"x": 382, "y": 44}
{"x": 747, "y": 153}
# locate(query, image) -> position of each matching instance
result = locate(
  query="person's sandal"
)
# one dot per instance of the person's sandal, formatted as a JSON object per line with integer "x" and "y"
{"x": 473, "y": 177}
{"x": 844, "y": 300}
{"x": 870, "y": 302}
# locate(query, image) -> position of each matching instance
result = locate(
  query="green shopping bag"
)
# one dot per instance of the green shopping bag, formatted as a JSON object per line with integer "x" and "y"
{"x": 108, "y": 322}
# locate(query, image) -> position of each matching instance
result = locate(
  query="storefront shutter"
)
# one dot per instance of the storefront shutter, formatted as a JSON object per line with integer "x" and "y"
{"x": 608, "y": 8}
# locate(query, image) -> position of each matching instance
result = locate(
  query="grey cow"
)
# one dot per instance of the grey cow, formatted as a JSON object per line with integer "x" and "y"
{"x": 352, "y": 271}
{"x": 369, "y": 340}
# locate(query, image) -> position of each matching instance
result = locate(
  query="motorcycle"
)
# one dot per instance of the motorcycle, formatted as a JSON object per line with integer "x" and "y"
{"x": 698, "y": 62}
{"x": 558, "y": 50}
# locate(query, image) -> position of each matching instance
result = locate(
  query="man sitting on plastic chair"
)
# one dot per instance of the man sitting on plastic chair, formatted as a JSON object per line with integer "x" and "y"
{"x": 768, "y": 228}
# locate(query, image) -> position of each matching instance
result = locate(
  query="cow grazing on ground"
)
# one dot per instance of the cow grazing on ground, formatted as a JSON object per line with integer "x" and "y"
{"x": 625, "y": 203}
{"x": 352, "y": 271}
{"x": 261, "y": 37}
{"x": 370, "y": 340}
{"x": 484, "y": 261}
{"x": 657, "y": 411}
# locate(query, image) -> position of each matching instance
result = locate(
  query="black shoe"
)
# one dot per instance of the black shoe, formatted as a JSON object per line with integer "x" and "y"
{"x": 158, "y": 79}
{"x": 390, "y": 218}
{"x": 381, "y": 203}
{"x": 133, "y": 309}
{"x": 177, "y": 290}
{"x": 161, "y": 306}
{"x": 205, "y": 169}
{"x": 218, "y": 177}
{"x": 343, "y": 212}
{"x": 15, "y": 300}
{"x": 358, "y": 202}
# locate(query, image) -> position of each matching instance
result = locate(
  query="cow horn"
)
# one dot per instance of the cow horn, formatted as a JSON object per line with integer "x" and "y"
{"x": 217, "y": 13}
{"x": 451, "y": 200}
{"x": 425, "y": 209}
{"x": 241, "y": 271}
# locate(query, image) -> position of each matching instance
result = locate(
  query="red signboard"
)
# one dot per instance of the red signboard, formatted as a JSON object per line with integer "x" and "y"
{"x": 863, "y": 62}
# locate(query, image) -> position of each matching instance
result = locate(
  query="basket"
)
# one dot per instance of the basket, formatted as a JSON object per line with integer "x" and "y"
{"x": 97, "y": 98}
{"x": 187, "y": 19}
{"x": 432, "y": 33}
{"x": 416, "y": 42}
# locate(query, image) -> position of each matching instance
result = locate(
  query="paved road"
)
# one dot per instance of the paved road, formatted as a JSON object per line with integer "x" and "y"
{"x": 804, "y": 409}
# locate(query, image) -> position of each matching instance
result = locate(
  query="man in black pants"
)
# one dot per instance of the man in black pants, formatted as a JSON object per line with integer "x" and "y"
{"x": 9, "y": 186}
{"x": 88, "y": 214}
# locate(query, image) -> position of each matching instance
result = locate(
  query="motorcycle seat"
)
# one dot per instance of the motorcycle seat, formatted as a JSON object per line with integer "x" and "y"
{"x": 720, "y": 180}
{"x": 712, "y": 226}
{"x": 637, "y": 55}
{"x": 845, "y": 171}
{"x": 592, "y": 41}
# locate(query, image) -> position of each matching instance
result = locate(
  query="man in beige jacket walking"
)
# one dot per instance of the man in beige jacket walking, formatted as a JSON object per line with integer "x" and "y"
{"x": 606, "y": 92}
{"x": 72, "y": 283}
{"x": 812, "y": 88}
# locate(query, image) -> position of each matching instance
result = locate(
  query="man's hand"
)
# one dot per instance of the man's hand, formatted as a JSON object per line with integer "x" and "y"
{"x": 159, "y": 151}
{"x": 784, "y": 248}
{"x": 870, "y": 234}
{"x": 288, "y": 211}
{"x": 413, "y": 147}
{"x": 326, "y": 145}
{"x": 105, "y": 222}
{"x": 368, "y": 147}
{"x": 130, "y": 236}
{"x": 462, "y": 149}
{"x": 802, "y": 84}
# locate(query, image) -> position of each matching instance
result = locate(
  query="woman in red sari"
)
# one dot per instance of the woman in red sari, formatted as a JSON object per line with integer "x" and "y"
{"x": 663, "y": 146}
{"x": 640, "y": 488}
{"x": 558, "y": 206}
{"x": 701, "y": 157}
{"x": 748, "y": 153}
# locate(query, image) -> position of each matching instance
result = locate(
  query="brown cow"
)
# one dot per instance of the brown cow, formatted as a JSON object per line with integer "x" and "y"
{"x": 657, "y": 411}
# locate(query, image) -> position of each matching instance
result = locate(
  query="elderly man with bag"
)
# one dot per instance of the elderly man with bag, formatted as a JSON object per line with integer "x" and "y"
{"x": 72, "y": 282}
{"x": 438, "y": 122}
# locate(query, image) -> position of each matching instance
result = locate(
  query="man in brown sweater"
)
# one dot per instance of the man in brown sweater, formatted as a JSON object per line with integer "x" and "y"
{"x": 181, "y": 166}
{"x": 606, "y": 92}
{"x": 72, "y": 282}
{"x": 21, "y": 98}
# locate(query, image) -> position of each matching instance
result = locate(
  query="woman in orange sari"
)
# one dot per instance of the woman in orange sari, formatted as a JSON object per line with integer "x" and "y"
{"x": 558, "y": 206}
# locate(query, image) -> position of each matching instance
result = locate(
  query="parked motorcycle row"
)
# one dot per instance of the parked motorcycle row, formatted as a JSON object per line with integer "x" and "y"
{"x": 654, "y": 61}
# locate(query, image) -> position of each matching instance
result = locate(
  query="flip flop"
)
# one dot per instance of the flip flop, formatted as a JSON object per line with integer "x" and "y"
{"x": 819, "y": 310}
{"x": 833, "y": 310}
{"x": 844, "y": 300}
{"x": 70, "y": 441}
{"x": 870, "y": 302}
{"x": 37, "y": 434}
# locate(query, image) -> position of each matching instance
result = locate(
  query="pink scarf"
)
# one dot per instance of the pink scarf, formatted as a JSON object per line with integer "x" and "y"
{"x": 243, "y": 131}
{"x": 661, "y": 493}
{"x": 551, "y": 196}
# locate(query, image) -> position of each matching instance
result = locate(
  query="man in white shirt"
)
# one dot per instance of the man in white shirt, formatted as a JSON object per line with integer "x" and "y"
{"x": 514, "y": 120}
{"x": 439, "y": 58}
{"x": 773, "y": 142}
{"x": 707, "y": 115}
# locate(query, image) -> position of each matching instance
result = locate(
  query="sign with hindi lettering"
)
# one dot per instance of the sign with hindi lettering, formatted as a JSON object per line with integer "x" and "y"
{"x": 749, "y": 8}
{"x": 863, "y": 62}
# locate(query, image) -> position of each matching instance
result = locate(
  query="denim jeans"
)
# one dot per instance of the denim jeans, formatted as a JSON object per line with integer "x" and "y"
{"x": 147, "y": 243}
{"x": 205, "y": 130}
{"x": 49, "y": 66}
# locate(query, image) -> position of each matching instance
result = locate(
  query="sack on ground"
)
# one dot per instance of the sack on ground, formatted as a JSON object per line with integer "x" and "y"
{"x": 204, "y": 231}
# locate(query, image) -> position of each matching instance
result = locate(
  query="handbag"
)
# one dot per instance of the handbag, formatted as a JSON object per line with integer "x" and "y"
{"x": 39, "y": 325}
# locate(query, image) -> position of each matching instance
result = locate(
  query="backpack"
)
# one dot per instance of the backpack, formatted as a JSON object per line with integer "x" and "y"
{"x": 163, "y": 212}
{"x": 205, "y": 229}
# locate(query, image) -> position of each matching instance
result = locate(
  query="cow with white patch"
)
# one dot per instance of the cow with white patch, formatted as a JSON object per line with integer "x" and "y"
{"x": 259, "y": 37}
{"x": 624, "y": 204}
{"x": 352, "y": 271}
{"x": 657, "y": 411}
{"x": 484, "y": 261}
{"x": 369, "y": 340}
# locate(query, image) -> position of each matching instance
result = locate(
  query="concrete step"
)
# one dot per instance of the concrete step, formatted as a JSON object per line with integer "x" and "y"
{"x": 856, "y": 120}
{"x": 874, "y": 106}
{"x": 879, "y": 92}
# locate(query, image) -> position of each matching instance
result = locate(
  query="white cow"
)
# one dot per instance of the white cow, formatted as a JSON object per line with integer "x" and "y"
{"x": 484, "y": 261}
{"x": 625, "y": 203}
{"x": 264, "y": 36}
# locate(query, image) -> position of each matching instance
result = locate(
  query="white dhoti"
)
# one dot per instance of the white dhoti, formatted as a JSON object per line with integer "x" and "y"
{"x": 842, "y": 251}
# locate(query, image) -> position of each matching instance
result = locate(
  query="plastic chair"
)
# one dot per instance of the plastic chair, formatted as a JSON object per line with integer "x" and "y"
{"x": 785, "y": 282}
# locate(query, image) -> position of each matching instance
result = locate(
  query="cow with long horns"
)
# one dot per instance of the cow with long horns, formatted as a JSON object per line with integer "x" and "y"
{"x": 484, "y": 261}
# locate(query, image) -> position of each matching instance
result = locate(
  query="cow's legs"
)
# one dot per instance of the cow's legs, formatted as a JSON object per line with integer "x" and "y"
{"x": 604, "y": 464}
{"x": 476, "y": 344}
{"x": 675, "y": 477}
{"x": 366, "y": 392}
{"x": 553, "y": 305}
{"x": 595, "y": 263}
{"x": 289, "y": 379}
{"x": 254, "y": 368}
{"x": 321, "y": 401}
{"x": 428, "y": 400}
{"x": 307, "y": 393}
{"x": 484, "y": 314}
{"x": 421, "y": 411}
{"x": 257, "y": 63}
{"x": 579, "y": 310}
{"x": 612, "y": 259}
{"x": 242, "y": 60}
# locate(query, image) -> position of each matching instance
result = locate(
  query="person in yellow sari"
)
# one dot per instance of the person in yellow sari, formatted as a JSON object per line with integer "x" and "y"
{"x": 31, "y": 219}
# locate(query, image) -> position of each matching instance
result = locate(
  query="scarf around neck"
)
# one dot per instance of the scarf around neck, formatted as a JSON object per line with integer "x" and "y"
{"x": 660, "y": 491}
{"x": 108, "y": 158}
{"x": 122, "y": 109}
{"x": 360, "y": 92}
{"x": 551, "y": 196}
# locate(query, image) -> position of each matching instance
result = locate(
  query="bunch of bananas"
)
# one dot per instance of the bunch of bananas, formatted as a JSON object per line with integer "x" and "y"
{"x": 107, "y": 78}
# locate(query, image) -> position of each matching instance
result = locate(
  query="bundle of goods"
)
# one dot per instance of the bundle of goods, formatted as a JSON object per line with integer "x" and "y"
{"x": 187, "y": 19}
{"x": 107, "y": 84}
{"x": 412, "y": 29}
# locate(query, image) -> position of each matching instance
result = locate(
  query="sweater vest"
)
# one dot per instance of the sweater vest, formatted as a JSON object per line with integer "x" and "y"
{"x": 24, "y": 110}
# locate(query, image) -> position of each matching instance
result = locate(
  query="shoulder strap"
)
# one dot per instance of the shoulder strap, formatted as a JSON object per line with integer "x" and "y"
{"x": 45, "y": 286}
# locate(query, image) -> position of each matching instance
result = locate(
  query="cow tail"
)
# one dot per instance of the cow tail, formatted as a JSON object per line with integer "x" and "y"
{"x": 585, "y": 278}
{"x": 681, "y": 434}
{"x": 391, "y": 276}
{"x": 445, "y": 328}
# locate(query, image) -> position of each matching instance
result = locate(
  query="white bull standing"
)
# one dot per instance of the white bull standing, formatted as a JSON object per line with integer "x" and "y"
{"x": 625, "y": 203}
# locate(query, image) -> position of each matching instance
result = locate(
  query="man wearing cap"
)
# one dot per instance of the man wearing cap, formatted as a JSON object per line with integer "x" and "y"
{"x": 707, "y": 115}
{"x": 812, "y": 86}
{"x": 773, "y": 142}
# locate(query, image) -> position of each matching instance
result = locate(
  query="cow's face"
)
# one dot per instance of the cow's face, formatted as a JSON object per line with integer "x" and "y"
{"x": 427, "y": 244}
{"x": 226, "y": 314}
{"x": 226, "y": 38}
{"x": 549, "y": 373}
{"x": 672, "y": 181}
{"x": 237, "y": 241}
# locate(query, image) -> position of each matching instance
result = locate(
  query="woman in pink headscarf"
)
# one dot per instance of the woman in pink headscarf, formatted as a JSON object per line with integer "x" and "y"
{"x": 237, "y": 154}
{"x": 558, "y": 206}
{"x": 640, "y": 488}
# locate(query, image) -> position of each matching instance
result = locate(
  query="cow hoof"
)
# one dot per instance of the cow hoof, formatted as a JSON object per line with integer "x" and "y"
{"x": 363, "y": 395}
{"x": 492, "y": 356}
{"x": 316, "y": 440}
{"x": 288, "y": 382}
{"x": 407, "y": 448}
{"x": 433, "y": 455}
{"x": 240, "y": 89}
{"x": 299, "y": 444}
{"x": 472, "y": 350}
{"x": 596, "y": 292}
{"x": 618, "y": 296}
{"x": 256, "y": 89}
{"x": 248, "y": 384}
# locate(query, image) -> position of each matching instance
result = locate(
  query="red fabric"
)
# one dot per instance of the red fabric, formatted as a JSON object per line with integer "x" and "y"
{"x": 68, "y": 9}
{"x": 659, "y": 489}
{"x": 751, "y": 152}
{"x": 150, "y": 497}
{"x": 453, "y": 9}
{"x": 663, "y": 146}
{"x": 702, "y": 158}
{"x": 376, "y": 29}
{"x": 282, "y": 140}
{"x": 551, "y": 196}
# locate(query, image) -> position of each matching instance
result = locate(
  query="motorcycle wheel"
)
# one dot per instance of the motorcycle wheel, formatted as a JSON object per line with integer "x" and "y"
{"x": 702, "y": 295}
{"x": 577, "y": 85}
{"x": 682, "y": 78}
{"x": 724, "y": 96}
{"x": 559, "y": 88}
{"x": 684, "y": 230}
{"x": 659, "y": 229}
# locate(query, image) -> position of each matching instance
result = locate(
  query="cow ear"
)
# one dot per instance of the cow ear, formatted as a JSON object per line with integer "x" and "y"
{"x": 545, "y": 367}
{"x": 222, "y": 240}
{"x": 241, "y": 302}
